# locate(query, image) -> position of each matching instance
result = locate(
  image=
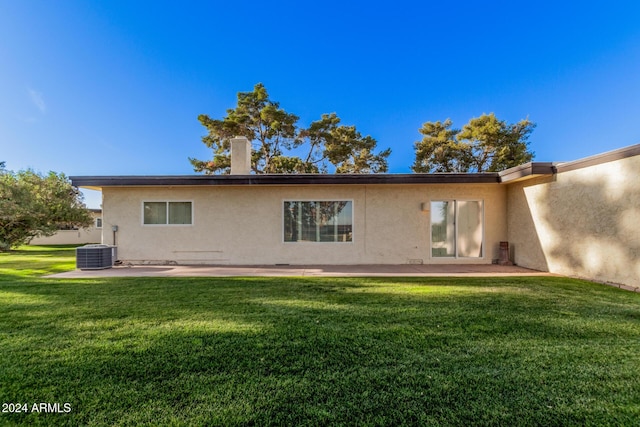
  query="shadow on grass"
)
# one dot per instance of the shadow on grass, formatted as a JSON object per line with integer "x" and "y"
{"x": 20, "y": 266}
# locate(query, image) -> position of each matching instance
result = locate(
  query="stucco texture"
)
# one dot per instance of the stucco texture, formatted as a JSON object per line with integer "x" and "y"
{"x": 243, "y": 225}
{"x": 583, "y": 222}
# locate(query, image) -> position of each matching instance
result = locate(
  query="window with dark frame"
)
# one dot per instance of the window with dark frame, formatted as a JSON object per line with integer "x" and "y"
{"x": 318, "y": 221}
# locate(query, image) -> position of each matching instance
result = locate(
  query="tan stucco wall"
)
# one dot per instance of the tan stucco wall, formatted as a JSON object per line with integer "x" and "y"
{"x": 72, "y": 237}
{"x": 583, "y": 222}
{"x": 244, "y": 225}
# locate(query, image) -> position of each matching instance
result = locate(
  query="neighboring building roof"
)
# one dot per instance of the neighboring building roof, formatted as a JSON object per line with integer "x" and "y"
{"x": 518, "y": 173}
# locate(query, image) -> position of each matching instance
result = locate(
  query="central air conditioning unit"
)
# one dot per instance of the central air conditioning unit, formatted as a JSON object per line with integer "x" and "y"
{"x": 95, "y": 257}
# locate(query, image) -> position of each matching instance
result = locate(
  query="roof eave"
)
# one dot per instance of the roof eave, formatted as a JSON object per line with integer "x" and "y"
{"x": 97, "y": 182}
{"x": 609, "y": 156}
{"x": 526, "y": 171}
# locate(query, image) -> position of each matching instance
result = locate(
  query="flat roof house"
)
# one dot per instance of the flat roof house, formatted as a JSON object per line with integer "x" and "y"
{"x": 578, "y": 218}
{"x": 74, "y": 235}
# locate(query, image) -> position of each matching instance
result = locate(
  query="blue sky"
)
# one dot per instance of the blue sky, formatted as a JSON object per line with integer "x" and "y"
{"x": 115, "y": 87}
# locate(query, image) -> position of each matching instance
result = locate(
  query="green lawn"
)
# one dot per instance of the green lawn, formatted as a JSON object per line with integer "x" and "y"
{"x": 314, "y": 351}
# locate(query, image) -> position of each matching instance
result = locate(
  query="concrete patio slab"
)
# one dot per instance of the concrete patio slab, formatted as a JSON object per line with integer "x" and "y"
{"x": 403, "y": 270}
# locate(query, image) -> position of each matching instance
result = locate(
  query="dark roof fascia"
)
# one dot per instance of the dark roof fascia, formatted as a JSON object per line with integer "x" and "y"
{"x": 609, "y": 156}
{"x": 297, "y": 179}
{"x": 526, "y": 171}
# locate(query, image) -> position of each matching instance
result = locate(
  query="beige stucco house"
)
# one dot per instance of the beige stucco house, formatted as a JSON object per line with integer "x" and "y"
{"x": 578, "y": 218}
{"x": 74, "y": 235}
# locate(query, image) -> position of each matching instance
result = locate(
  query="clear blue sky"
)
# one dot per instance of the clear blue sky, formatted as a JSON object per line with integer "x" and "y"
{"x": 115, "y": 87}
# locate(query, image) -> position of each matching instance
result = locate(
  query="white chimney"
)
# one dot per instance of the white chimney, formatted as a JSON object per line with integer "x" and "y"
{"x": 240, "y": 156}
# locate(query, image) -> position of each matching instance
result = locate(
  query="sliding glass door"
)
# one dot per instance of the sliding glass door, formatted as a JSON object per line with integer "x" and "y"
{"x": 457, "y": 229}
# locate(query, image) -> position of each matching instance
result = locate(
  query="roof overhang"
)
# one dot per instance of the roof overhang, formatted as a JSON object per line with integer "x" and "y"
{"x": 527, "y": 171}
{"x": 609, "y": 156}
{"x": 98, "y": 182}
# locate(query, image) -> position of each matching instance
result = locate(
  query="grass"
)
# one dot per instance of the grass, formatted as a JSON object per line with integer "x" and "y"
{"x": 33, "y": 261}
{"x": 315, "y": 351}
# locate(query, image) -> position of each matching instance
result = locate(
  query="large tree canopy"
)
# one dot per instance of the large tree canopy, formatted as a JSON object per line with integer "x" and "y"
{"x": 35, "y": 205}
{"x": 485, "y": 144}
{"x": 280, "y": 146}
